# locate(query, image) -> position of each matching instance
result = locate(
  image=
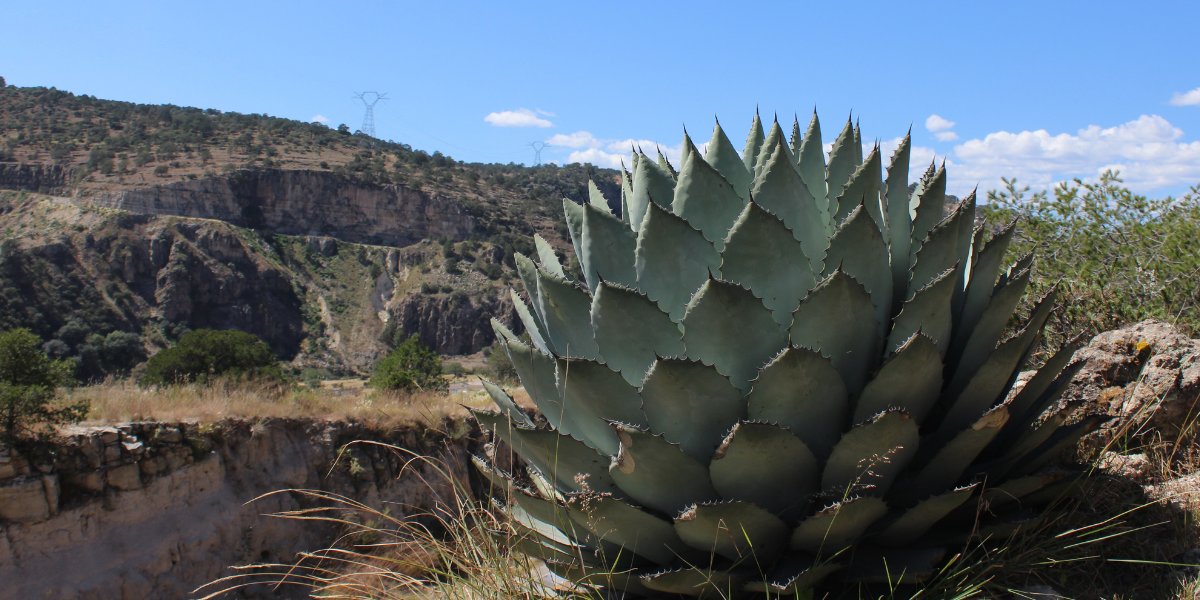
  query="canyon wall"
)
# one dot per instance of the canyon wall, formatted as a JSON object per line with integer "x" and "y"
{"x": 155, "y": 510}
{"x": 304, "y": 203}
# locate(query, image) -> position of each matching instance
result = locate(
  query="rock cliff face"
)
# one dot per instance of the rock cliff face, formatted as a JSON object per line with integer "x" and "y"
{"x": 137, "y": 271}
{"x": 34, "y": 177}
{"x": 153, "y": 510}
{"x": 454, "y": 324}
{"x": 305, "y": 203}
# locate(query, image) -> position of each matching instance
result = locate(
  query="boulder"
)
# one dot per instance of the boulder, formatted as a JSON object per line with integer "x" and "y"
{"x": 1146, "y": 375}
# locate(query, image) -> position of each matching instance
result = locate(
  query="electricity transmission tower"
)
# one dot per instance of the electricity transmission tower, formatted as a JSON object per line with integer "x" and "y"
{"x": 369, "y": 100}
{"x": 537, "y": 152}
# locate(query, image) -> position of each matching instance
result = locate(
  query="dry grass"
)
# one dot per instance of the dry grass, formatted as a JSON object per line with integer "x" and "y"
{"x": 459, "y": 549}
{"x": 122, "y": 401}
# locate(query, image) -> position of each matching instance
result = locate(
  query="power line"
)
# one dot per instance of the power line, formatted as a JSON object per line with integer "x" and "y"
{"x": 537, "y": 152}
{"x": 369, "y": 100}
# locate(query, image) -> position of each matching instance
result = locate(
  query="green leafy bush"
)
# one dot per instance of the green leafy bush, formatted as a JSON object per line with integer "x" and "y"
{"x": 1117, "y": 257}
{"x": 409, "y": 366}
{"x": 28, "y": 383}
{"x": 207, "y": 353}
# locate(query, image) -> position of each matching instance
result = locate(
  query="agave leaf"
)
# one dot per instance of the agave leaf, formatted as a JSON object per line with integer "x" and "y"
{"x": 927, "y": 312}
{"x": 863, "y": 190}
{"x": 691, "y": 404}
{"x": 694, "y": 581}
{"x": 793, "y": 576}
{"x": 531, "y": 321}
{"x": 531, "y": 543}
{"x": 562, "y": 458}
{"x": 761, "y": 254}
{"x": 981, "y": 284}
{"x": 992, "y": 381}
{"x": 672, "y": 261}
{"x": 618, "y": 579}
{"x": 527, "y": 271}
{"x": 899, "y": 220}
{"x": 626, "y": 194}
{"x": 536, "y": 372}
{"x": 775, "y": 141}
{"x": 723, "y": 157}
{"x": 895, "y": 566}
{"x": 910, "y": 379}
{"x": 767, "y": 465}
{"x": 733, "y": 529}
{"x": 1027, "y": 439}
{"x": 913, "y": 523}
{"x": 967, "y": 234}
{"x": 566, "y": 310}
{"x": 781, "y": 192}
{"x": 837, "y": 526}
{"x": 704, "y": 198}
{"x": 981, "y": 342}
{"x": 801, "y": 390}
{"x": 1046, "y": 385}
{"x": 651, "y": 185}
{"x": 631, "y": 331}
{"x": 506, "y": 404}
{"x": 950, "y": 462}
{"x": 607, "y": 250}
{"x": 503, "y": 333}
{"x": 620, "y": 523}
{"x": 858, "y": 157}
{"x": 929, "y": 207}
{"x": 546, "y": 256}
{"x": 657, "y": 473}
{"x": 869, "y": 457}
{"x": 859, "y": 250}
{"x": 596, "y": 198}
{"x": 940, "y": 251}
{"x": 728, "y": 327}
{"x": 754, "y": 143}
{"x": 1066, "y": 438}
{"x": 573, "y": 214}
{"x": 830, "y": 318}
{"x": 499, "y": 482}
{"x": 1017, "y": 488}
{"x": 795, "y": 139}
{"x": 594, "y": 395}
{"x": 810, "y": 161}
{"x": 665, "y": 164}
{"x": 842, "y": 163}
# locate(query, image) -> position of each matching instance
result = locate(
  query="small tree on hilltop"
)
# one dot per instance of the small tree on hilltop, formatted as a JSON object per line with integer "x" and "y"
{"x": 206, "y": 353}
{"x": 28, "y": 387}
{"x": 410, "y": 366}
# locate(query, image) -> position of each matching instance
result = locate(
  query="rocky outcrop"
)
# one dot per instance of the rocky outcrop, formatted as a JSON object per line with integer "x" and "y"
{"x": 305, "y": 203}
{"x": 34, "y": 177}
{"x": 154, "y": 510}
{"x": 453, "y": 323}
{"x": 1146, "y": 375}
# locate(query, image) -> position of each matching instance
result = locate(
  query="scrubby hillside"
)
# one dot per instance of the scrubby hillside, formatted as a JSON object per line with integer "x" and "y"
{"x": 122, "y": 225}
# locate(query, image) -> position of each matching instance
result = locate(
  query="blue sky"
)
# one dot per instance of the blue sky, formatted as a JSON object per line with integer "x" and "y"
{"x": 1043, "y": 91}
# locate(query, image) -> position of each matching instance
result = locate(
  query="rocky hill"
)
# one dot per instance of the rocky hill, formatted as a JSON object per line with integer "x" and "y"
{"x": 123, "y": 225}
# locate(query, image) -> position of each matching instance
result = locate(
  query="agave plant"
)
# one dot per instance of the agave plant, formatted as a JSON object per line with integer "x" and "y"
{"x": 771, "y": 369}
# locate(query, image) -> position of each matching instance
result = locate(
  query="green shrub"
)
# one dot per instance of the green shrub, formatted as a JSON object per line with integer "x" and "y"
{"x": 207, "y": 353}
{"x": 410, "y": 366}
{"x": 499, "y": 366}
{"x": 28, "y": 387}
{"x": 1118, "y": 257}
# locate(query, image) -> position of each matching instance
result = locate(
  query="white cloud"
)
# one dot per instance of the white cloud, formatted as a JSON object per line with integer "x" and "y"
{"x": 1149, "y": 152}
{"x": 945, "y": 136}
{"x": 937, "y": 123}
{"x": 578, "y": 139}
{"x": 608, "y": 152}
{"x": 521, "y": 117}
{"x": 1191, "y": 98}
{"x": 596, "y": 157}
{"x": 318, "y": 118}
